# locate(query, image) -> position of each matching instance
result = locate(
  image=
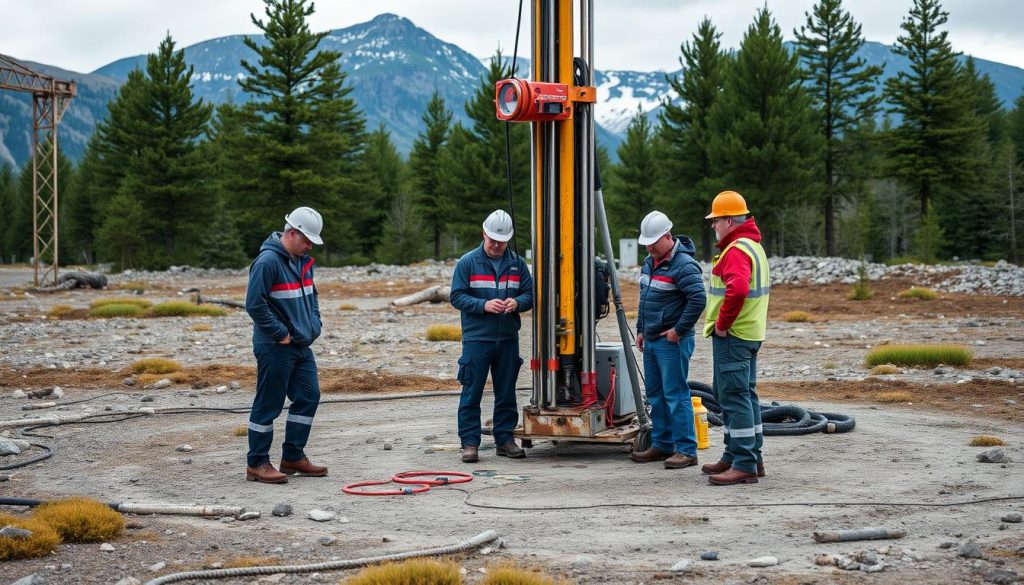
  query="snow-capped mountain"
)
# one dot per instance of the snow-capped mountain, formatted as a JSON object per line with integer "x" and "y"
{"x": 393, "y": 68}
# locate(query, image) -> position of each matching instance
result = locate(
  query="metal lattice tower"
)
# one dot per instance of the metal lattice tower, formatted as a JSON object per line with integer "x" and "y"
{"x": 50, "y": 99}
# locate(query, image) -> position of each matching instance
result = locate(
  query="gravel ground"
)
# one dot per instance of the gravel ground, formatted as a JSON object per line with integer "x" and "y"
{"x": 905, "y": 466}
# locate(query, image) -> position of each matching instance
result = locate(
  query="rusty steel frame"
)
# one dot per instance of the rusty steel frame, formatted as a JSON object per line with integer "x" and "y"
{"x": 50, "y": 99}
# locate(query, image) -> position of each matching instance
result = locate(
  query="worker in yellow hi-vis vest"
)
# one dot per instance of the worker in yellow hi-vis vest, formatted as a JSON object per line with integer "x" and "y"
{"x": 736, "y": 318}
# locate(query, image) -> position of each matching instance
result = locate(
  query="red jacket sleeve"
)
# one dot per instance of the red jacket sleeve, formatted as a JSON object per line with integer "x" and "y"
{"x": 735, "y": 270}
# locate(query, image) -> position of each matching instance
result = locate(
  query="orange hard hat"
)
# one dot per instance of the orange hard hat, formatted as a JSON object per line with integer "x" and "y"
{"x": 728, "y": 204}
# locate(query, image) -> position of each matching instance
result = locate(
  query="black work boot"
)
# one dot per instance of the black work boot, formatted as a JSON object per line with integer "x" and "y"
{"x": 511, "y": 450}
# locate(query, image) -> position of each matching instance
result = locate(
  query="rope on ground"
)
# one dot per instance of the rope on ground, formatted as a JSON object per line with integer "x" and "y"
{"x": 473, "y": 543}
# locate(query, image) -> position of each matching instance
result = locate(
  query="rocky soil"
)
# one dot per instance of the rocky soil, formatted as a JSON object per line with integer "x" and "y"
{"x": 908, "y": 464}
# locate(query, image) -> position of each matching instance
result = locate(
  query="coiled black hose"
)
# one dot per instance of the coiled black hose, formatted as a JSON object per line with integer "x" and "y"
{"x": 779, "y": 419}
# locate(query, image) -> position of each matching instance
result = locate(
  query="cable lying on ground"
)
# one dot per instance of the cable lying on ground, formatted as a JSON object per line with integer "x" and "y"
{"x": 779, "y": 419}
{"x": 475, "y": 542}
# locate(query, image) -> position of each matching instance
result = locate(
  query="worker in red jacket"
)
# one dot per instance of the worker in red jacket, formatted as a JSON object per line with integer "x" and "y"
{"x": 737, "y": 316}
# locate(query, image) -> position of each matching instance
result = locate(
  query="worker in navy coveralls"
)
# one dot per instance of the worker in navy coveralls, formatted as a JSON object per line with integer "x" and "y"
{"x": 491, "y": 286}
{"x": 282, "y": 301}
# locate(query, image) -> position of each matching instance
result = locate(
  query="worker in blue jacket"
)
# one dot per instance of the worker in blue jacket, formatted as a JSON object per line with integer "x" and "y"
{"x": 491, "y": 286}
{"x": 672, "y": 298}
{"x": 282, "y": 301}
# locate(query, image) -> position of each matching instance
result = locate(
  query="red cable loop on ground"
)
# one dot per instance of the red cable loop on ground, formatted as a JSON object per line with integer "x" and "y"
{"x": 443, "y": 477}
{"x": 416, "y": 488}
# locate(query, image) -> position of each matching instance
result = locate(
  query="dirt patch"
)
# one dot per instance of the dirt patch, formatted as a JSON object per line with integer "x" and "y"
{"x": 995, "y": 398}
{"x": 1015, "y": 363}
{"x": 830, "y": 302}
{"x": 332, "y": 380}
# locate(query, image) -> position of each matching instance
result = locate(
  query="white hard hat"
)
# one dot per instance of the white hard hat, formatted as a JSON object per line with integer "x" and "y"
{"x": 498, "y": 226}
{"x": 655, "y": 225}
{"x": 307, "y": 221}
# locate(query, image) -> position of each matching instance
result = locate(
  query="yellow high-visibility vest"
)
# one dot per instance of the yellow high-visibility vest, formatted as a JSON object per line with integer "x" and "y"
{"x": 752, "y": 321}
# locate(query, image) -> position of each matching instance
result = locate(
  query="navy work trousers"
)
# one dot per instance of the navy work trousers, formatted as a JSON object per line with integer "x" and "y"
{"x": 735, "y": 387}
{"x": 501, "y": 358}
{"x": 282, "y": 370}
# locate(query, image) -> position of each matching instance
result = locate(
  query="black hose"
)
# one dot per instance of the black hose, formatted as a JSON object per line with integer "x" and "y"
{"x": 779, "y": 420}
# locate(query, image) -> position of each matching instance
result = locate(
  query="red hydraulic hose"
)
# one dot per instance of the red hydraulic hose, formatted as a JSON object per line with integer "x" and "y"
{"x": 442, "y": 477}
{"x": 405, "y": 490}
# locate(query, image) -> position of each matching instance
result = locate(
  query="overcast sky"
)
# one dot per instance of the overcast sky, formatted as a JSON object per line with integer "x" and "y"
{"x": 642, "y": 35}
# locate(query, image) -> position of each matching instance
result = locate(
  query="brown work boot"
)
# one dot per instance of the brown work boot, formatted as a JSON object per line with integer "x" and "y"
{"x": 717, "y": 467}
{"x": 649, "y": 455}
{"x": 723, "y": 466}
{"x": 265, "y": 473}
{"x": 511, "y": 450}
{"x": 470, "y": 454}
{"x": 679, "y": 461}
{"x": 731, "y": 477}
{"x": 303, "y": 467}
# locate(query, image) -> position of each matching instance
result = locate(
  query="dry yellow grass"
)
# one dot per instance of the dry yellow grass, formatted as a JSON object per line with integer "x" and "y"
{"x": 202, "y": 327}
{"x": 155, "y": 366}
{"x": 44, "y": 539}
{"x": 411, "y": 572}
{"x": 58, "y": 311}
{"x": 176, "y": 377}
{"x": 914, "y": 292}
{"x": 347, "y": 307}
{"x": 444, "y": 333}
{"x": 895, "y": 396}
{"x": 81, "y": 519}
{"x": 112, "y": 310}
{"x": 884, "y": 370}
{"x": 185, "y": 309}
{"x": 141, "y": 303}
{"x": 239, "y": 562}
{"x": 987, "y": 441}
{"x": 240, "y": 431}
{"x": 830, "y": 365}
{"x": 796, "y": 317}
{"x": 506, "y": 574}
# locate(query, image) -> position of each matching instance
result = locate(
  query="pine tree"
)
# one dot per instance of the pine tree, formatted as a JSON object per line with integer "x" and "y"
{"x": 684, "y": 132}
{"x": 765, "y": 142}
{"x": 933, "y": 145}
{"x": 424, "y": 162}
{"x": 404, "y": 232}
{"x": 8, "y": 192}
{"x": 473, "y": 166}
{"x": 386, "y": 176}
{"x": 170, "y": 174}
{"x": 630, "y": 189}
{"x": 221, "y": 245}
{"x": 80, "y": 216}
{"x": 118, "y": 233}
{"x": 1015, "y": 127}
{"x": 843, "y": 88}
{"x": 305, "y": 134}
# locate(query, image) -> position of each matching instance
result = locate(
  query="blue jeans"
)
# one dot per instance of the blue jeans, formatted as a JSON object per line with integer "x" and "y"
{"x": 735, "y": 387}
{"x": 666, "y": 368}
{"x": 282, "y": 370}
{"x": 501, "y": 358}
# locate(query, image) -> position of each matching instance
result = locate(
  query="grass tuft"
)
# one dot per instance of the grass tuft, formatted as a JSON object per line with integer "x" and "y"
{"x": 411, "y": 572}
{"x": 444, "y": 333}
{"x": 506, "y": 574}
{"x": 240, "y": 431}
{"x": 347, "y": 307}
{"x": 830, "y": 365}
{"x": 155, "y": 366}
{"x": 884, "y": 370}
{"x": 924, "y": 294}
{"x": 987, "y": 441}
{"x": 58, "y": 311}
{"x": 110, "y": 311}
{"x": 920, "y": 355}
{"x": 82, "y": 519}
{"x": 796, "y": 317}
{"x": 861, "y": 290}
{"x": 44, "y": 539}
{"x": 185, "y": 309}
{"x": 895, "y": 396}
{"x": 141, "y": 303}
{"x": 200, "y": 327}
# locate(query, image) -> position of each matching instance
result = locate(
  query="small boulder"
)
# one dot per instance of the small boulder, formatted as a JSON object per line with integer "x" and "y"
{"x": 992, "y": 456}
{"x": 321, "y": 515}
{"x": 282, "y": 510}
{"x": 763, "y": 562}
{"x": 970, "y": 550}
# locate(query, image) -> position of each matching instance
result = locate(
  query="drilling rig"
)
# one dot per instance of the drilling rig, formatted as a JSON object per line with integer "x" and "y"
{"x": 579, "y": 390}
